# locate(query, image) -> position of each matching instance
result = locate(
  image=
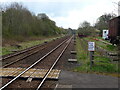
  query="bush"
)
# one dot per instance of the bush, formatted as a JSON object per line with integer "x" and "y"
{"x": 19, "y": 21}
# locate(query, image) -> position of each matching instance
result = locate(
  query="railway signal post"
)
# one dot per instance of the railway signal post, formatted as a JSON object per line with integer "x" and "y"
{"x": 91, "y": 49}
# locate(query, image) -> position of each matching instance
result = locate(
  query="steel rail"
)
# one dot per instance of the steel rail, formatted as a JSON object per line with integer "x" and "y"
{"x": 23, "y": 51}
{"x": 40, "y": 85}
{"x": 21, "y": 58}
{"x": 32, "y": 65}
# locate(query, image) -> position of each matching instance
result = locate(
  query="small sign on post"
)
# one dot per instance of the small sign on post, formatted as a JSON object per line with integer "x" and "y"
{"x": 91, "y": 46}
{"x": 91, "y": 49}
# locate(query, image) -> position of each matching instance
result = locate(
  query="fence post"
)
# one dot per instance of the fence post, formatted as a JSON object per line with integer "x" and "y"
{"x": 91, "y": 49}
{"x": 91, "y": 58}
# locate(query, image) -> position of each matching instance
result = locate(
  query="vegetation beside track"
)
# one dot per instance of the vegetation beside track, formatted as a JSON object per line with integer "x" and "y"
{"x": 26, "y": 44}
{"x": 102, "y": 64}
{"x": 20, "y": 25}
{"x": 101, "y": 44}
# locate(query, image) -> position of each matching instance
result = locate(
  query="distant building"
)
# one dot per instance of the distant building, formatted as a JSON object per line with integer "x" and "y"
{"x": 42, "y": 16}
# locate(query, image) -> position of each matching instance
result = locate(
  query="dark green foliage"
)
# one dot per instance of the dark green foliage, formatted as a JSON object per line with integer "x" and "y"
{"x": 19, "y": 21}
{"x": 86, "y": 29}
{"x": 103, "y": 21}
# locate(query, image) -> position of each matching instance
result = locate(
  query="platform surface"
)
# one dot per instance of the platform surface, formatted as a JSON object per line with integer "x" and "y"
{"x": 31, "y": 73}
{"x": 87, "y": 80}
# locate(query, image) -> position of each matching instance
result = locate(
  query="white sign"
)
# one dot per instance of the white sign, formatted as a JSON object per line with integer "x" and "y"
{"x": 91, "y": 46}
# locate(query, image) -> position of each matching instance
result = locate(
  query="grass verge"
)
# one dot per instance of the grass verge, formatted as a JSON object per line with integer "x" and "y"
{"x": 101, "y": 44}
{"x": 8, "y": 49}
{"x": 102, "y": 64}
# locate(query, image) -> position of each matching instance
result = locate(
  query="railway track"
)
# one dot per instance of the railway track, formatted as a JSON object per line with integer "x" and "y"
{"x": 20, "y": 52}
{"x": 15, "y": 57}
{"x": 48, "y": 61}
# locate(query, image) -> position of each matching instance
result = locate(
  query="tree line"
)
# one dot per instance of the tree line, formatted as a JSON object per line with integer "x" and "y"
{"x": 101, "y": 23}
{"x": 18, "y": 21}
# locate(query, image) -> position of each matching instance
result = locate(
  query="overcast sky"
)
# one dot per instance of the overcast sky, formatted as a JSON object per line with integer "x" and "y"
{"x": 70, "y": 13}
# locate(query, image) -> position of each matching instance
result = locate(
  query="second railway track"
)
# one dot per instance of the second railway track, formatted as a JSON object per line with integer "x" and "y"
{"x": 23, "y": 54}
{"x": 48, "y": 61}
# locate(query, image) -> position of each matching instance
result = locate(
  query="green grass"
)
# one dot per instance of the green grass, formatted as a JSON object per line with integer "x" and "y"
{"x": 82, "y": 56}
{"x": 101, "y": 44}
{"x": 99, "y": 37}
{"x": 101, "y": 58}
{"x": 8, "y": 49}
{"x": 102, "y": 64}
{"x": 81, "y": 53}
{"x": 111, "y": 47}
{"x": 0, "y": 50}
